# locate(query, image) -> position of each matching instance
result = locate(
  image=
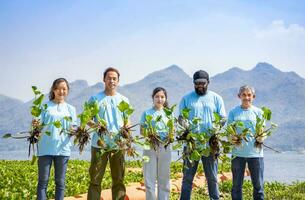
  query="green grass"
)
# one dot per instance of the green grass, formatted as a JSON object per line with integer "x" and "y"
{"x": 19, "y": 179}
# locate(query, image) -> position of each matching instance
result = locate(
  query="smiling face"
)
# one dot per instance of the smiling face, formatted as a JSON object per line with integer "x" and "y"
{"x": 60, "y": 92}
{"x": 159, "y": 99}
{"x": 246, "y": 97}
{"x": 111, "y": 81}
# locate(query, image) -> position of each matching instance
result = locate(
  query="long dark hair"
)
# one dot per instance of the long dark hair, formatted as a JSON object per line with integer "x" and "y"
{"x": 158, "y": 89}
{"x": 56, "y": 82}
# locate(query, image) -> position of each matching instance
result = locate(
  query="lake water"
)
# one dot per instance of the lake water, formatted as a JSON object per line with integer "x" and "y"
{"x": 284, "y": 167}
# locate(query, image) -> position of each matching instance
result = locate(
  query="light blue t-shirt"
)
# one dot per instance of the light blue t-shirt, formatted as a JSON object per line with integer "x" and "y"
{"x": 57, "y": 143}
{"x": 160, "y": 126}
{"x": 203, "y": 107}
{"x": 248, "y": 117}
{"x": 109, "y": 112}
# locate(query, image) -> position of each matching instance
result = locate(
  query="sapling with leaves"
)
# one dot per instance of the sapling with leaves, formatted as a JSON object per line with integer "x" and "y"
{"x": 36, "y": 128}
{"x": 170, "y": 124}
{"x": 261, "y": 130}
{"x": 125, "y": 139}
{"x": 195, "y": 143}
{"x": 88, "y": 126}
{"x": 150, "y": 133}
{"x": 237, "y": 133}
{"x": 218, "y": 141}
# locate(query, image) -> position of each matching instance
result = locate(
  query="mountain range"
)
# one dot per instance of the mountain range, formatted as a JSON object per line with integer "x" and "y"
{"x": 283, "y": 92}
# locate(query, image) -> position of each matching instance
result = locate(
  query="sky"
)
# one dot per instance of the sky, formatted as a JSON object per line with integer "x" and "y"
{"x": 44, "y": 40}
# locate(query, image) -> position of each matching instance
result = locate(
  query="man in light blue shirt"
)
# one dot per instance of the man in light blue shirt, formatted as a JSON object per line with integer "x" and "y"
{"x": 247, "y": 152}
{"x": 108, "y": 101}
{"x": 202, "y": 104}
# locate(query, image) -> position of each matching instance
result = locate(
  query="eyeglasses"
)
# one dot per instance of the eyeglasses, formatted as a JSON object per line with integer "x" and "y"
{"x": 200, "y": 83}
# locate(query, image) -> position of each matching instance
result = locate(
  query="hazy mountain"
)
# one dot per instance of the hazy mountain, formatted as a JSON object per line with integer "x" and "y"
{"x": 7, "y": 103}
{"x": 173, "y": 79}
{"x": 283, "y": 92}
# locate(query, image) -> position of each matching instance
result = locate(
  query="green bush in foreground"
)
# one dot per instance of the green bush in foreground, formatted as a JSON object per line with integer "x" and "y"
{"x": 19, "y": 179}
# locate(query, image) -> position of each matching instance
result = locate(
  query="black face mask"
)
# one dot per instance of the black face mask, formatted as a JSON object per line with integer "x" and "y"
{"x": 201, "y": 91}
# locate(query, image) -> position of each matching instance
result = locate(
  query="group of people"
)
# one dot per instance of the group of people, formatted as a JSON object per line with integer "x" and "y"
{"x": 202, "y": 103}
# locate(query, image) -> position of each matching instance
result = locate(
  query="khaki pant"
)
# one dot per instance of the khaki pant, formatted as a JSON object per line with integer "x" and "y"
{"x": 157, "y": 169}
{"x": 97, "y": 171}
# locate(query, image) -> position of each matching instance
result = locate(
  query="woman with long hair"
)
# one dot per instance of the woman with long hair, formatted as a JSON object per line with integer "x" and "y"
{"x": 158, "y": 166}
{"x": 55, "y": 147}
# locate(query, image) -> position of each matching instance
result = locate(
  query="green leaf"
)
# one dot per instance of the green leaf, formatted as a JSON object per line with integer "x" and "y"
{"x": 196, "y": 120}
{"x": 35, "y": 111}
{"x": 148, "y": 118}
{"x": 170, "y": 124}
{"x": 217, "y": 117}
{"x": 185, "y": 113}
{"x": 48, "y": 133}
{"x": 123, "y": 106}
{"x": 177, "y": 146}
{"x": 169, "y": 111}
{"x": 57, "y": 124}
{"x": 8, "y": 135}
{"x": 45, "y": 106}
{"x": 129, "y": 111}
{"x": 94, "y": 107}
{"x": 227, "y": 149}
{"x": 206, "y": 152}
{"x": 39, "y": 100}
{"x": 35, "y": 91}
{"x": 266, "y": 113}
{"x": 195, "y": 155}
{"x": 191, "y": 136}
{"x": 159, "y": 118}
{"x": 68, "y": 118}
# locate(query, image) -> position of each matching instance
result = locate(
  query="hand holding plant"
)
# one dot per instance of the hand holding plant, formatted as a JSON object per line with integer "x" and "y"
{"x": 150, "y": 132}
{"x": 234, "y": 137}
{"x": 261, "y": 132}
{"x": 195, "y": 143}
{"x": 125, "y": 138}
{"x": 35, "y": 132}
{"x": 87, "y": 125}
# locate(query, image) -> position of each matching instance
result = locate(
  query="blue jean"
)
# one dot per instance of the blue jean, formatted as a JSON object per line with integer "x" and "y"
{"x": 210, "y": 167}
{"x": 44, "y": 167}
{"x": 256, "y": 167}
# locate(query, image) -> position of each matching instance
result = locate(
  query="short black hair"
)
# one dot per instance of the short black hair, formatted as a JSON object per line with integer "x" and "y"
{"x": 111, "y": 69}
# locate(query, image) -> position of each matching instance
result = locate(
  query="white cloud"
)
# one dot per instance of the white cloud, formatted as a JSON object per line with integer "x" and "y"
{"x": 278, "y": 29}
{"x": 282, "y": 45}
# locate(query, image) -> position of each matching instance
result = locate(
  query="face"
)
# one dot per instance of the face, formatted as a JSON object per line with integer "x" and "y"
{"x": 111, "y": 80}
{"x": 246, "y": 98}
{"x": 60, "y": 92}
{"x": 201, "y": 87}
{"x": 159, "y": 99}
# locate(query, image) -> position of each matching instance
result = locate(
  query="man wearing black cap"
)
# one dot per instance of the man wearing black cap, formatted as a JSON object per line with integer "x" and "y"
{"x": 202, "y": 104}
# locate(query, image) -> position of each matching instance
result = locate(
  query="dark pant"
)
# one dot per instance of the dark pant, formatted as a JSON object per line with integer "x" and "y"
{"x": 44, "y": 166}
{"x": 210, "y": 167}
{"x": 97, "y": 171}
{"x": 256, "y": 167}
